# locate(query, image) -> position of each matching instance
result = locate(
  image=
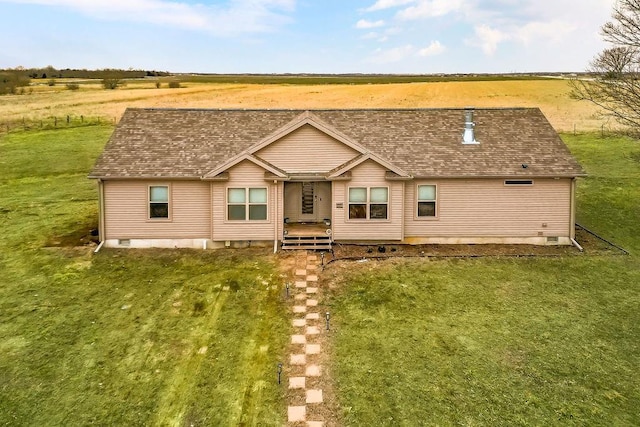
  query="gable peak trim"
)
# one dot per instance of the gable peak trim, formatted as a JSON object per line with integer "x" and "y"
{"x": 249, "y": 157}
{"x": 307, "y": 118}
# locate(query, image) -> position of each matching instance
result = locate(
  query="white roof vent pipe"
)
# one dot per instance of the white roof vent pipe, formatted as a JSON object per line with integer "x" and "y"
{"x": 468, "y": 137}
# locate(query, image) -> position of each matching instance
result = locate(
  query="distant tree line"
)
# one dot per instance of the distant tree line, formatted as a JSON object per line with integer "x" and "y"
{"x": 14, "y": 80}
{"x": 51, "y": 72}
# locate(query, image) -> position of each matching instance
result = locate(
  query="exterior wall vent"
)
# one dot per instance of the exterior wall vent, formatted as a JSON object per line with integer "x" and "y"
{"x": 468, "y": 137}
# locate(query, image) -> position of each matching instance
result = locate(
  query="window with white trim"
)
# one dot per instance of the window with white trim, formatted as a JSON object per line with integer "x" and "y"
{"x": 247, "y": 204}
{"x": 159, "y": 202}
{"x": 427, "y": 201}
{"x": 368, "y": 203}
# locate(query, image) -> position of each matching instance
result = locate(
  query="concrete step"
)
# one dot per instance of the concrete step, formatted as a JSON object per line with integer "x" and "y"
{"x": 307, "y": 247}
{"x": 306, "y": 242}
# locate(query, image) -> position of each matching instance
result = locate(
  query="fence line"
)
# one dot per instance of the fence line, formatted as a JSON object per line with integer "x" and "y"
{"x": 55, "y": 122}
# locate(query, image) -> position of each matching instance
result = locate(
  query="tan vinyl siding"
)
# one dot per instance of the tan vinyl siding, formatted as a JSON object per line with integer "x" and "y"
{"x": 243, "y": 175}
{"x": 307, "y": 150}
{"x": 368, "y": 174}
{"x": 488, "y": 208}
{"x": 126, "y": 205}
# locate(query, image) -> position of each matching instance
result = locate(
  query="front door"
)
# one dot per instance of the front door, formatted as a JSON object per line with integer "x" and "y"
{"x": 307, "y": 201}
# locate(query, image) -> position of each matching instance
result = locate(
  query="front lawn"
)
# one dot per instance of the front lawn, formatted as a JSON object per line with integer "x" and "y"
{"x": 154, "y": 337}
{"x": 501, "y": 341}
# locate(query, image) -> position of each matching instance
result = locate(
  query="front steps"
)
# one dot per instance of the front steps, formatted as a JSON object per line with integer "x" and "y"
{"x": 317, "y": 243}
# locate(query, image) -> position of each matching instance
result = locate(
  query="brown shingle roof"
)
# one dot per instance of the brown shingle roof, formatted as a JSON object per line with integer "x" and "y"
{"x": 188, "y": 143}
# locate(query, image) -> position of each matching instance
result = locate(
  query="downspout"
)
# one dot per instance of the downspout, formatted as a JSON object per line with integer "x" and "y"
{"x": 211, "y": 207}
{"x": 101, "y": 214}
{"x": 404, "y": 201}
{"x": 276, "y": 222}
{"x": 572, "y": 225}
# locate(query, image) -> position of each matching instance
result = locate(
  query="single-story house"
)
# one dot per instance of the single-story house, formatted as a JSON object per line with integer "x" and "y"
{"x": 211, "y": 178}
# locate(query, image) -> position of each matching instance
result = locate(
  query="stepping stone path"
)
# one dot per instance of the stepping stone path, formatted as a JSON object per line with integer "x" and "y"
{"x": 308, "y": 324}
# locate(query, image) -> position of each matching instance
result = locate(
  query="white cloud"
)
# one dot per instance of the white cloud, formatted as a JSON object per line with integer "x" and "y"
{"x": 396, "y": 54}
{"x": 554, "y": 30}
{"x": 386, "y": 4}
{"x": 364, "y": 24}
{"x": 487, "y": 39}
{"x": 430, "y": 9}
{"x": 435, "y": 48}
{"x": 400, "y": 53}
{"x": 235, "y": 17}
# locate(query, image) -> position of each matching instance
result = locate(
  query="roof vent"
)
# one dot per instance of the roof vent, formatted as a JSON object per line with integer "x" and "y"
{"x": 468, "y": 137}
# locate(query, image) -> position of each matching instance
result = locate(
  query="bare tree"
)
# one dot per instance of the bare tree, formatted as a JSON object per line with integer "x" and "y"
{"x": 614, "y": 83}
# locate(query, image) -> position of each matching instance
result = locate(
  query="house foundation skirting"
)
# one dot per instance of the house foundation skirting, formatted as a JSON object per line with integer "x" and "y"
{"x": 238, "y": 244}
{"x": 537, "y": 240}
{"x": 185, "y": 243}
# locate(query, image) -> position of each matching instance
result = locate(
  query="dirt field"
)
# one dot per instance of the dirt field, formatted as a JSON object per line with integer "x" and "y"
{"x": 551, "y": 96}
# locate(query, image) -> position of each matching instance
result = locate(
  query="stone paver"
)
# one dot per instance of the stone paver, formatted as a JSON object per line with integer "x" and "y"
{"x": 298, "y": 359}
{"x": 297, "y": 382}
{"x": 307, "y": 316}
{"x": 297, "y": 413}
{"x": 299, "y": 322}
{"x": 314, "y": 396}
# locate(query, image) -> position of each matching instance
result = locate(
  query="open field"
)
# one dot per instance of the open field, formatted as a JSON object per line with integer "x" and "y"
{"x": 551, "y": 95}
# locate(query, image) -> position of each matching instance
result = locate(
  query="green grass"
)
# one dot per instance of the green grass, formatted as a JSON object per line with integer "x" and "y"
{"x": 501, "y": 341}
{"x": 115, "y": 338}
{"x": 609, "y": 198}
{"x": 119, "y": 338}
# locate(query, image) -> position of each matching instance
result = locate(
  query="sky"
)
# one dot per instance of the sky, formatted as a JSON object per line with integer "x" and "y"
{"x": 304, "y": 36}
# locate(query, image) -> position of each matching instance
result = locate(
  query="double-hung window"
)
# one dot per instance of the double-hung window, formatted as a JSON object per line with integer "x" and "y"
{"x": 247, "y": 204}
{"x": 159, "y": 202}
{"x": 368, "y": 203}
{"x": 426, "y": 201}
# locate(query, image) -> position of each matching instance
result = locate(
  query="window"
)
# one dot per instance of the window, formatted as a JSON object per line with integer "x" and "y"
{"x": 159, "y": 202}
{"x": 246, "y": 204}
{"x": 426, "y": 201}
{"x": 368, "y": 203}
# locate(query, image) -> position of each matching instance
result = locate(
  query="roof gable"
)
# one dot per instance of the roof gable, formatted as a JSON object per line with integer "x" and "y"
{"x": 307, "y": 118}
